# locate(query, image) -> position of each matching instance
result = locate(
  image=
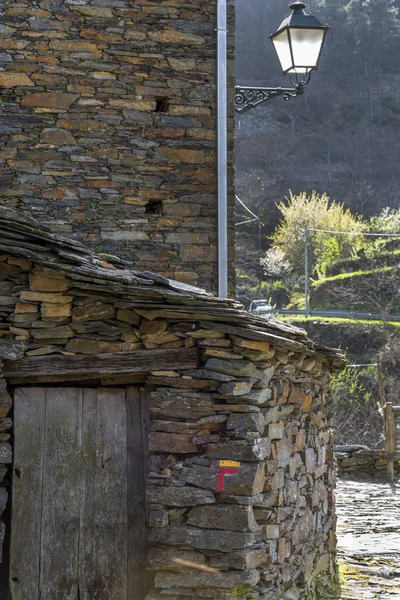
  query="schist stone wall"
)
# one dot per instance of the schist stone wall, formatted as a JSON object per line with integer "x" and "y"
{"x": 108, "y": 127}
{"x": 364, "y": 461}
{"x": 240, "y": 479}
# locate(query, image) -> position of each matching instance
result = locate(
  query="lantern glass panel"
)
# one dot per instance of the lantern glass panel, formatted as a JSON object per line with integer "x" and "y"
{"x": 306, "y": 48}
{"x": 282, "y": 47}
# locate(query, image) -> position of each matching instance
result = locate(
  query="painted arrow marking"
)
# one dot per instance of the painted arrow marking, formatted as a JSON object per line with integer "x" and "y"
{"x": 226, "y": 467}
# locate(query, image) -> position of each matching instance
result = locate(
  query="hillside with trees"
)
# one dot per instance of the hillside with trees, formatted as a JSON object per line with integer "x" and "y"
{"x": 342, "y": 137}
{"x": 353, "y": 266}
{"x": 351, "y": 263}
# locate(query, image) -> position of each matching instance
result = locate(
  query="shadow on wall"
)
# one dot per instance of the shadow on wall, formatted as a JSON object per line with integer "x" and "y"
{"x": 5, "y": 593}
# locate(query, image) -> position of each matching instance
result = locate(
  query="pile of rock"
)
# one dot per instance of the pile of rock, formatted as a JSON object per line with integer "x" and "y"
{"x": 241, "y": 477}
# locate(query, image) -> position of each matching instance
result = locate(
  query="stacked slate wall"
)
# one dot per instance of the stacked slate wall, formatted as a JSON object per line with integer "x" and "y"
{"x": 363, "y": 462}
{"x": 108, "y": 127}
{"x": 240, "y": 479}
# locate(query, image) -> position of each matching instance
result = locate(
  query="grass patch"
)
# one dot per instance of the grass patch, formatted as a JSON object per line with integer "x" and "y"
{"x": 343, "y": 276}
{"x": 340, "y": 321}
{"x": 378, "y": 259}
{"x": 346, "y": 572}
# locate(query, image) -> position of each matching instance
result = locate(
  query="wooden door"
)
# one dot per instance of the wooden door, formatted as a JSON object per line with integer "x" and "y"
{"x": 78, "y": 512}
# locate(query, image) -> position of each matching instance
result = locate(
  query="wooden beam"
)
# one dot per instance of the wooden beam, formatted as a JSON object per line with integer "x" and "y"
{"x": 84, "y": 366}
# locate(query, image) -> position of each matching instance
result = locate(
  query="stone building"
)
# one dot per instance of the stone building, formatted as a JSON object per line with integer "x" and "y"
{"x": 115, "y": 381}
{"x": 122, "y": 382}
{"x": 108, "y": 127}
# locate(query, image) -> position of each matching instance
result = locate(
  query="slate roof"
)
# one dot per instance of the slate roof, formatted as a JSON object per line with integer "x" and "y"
{"x": 23, "y": 236}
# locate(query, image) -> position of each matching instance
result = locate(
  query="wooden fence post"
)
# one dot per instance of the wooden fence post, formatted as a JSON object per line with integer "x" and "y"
{"x": 390, "y": 441}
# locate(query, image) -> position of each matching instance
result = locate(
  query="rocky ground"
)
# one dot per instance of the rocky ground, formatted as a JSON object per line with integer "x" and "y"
{"x": 369, "y": 539}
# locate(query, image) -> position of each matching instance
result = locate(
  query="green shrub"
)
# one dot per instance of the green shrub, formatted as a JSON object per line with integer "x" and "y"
{"x": 355, "y": 410}
{"x": 316, "y": 211}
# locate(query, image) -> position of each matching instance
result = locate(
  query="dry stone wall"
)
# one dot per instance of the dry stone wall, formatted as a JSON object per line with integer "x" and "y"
{"x": 108, "y": 127}
{"x": 251, "y": 506}
{"x": 363, "y": 462}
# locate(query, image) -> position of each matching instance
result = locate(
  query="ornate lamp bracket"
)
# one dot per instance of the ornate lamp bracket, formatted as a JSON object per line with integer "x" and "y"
{"x": 250, "y": 97}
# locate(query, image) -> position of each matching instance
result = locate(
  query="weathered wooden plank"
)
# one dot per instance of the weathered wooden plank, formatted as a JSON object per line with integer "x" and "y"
{"x": 103, "y": 547}
{"x": 88, "y": 366}
{"x": 140, "y": 378}
{"x": 29, "y": 414}
{"x": 145, "y": 414}
{"x": 390, "y": 443}
{"x": 56, "y": 379}
{"x": 137, "y": 425}
{"x": 61, "y": 494}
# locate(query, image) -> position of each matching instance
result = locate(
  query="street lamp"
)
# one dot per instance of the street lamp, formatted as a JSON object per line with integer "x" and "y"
{"x": 298, "y": 44}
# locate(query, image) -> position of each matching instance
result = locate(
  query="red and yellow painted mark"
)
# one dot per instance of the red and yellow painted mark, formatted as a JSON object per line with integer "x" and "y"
{"x": 226, "y": 467}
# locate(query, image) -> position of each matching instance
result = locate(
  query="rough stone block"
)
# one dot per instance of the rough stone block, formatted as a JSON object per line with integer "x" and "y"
{"x": 54, "y": 100}
{"x": 258, "y": 397}
{"x": 237, "y": 368}
{"x": 50, "y": 310}
{"x": 5, "y": 453}
{"x": 260, "y": 449}
{"x": 94, "y": 311}
{"x": 158, "y": 518}
{"x": 236, "y": 388}
{"x": 10, "y": 350}
{"x": 202, "y": 539}
{"x": 177, "y": 155}
{"x": 225, "y": 517}
{"x": 5, "y": 402}
{"x": 10, "y": 80}
{"x": 179, "y": 496}
{"x": 57, "y": 137}
{"x": 173, "y": 559}
{"x": 215, "y": 580}
{"x": 251, "y": 344}
{"x": 129, "y": 316}
{"x": 180, "y": 404}
{"x": 245, "y": 559}
{"x": 175, "y": 36}
{"x": 45, "y": 297}
{"x": 48, "y": 283}
{"x": 172, "y": 442}
{"x": 247, "y": 422}
{"x": 276, "y": 431}
{"x": 310, "y": 460}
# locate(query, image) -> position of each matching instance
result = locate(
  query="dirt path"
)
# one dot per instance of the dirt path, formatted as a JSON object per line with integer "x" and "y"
{"x": 369, "y": 539}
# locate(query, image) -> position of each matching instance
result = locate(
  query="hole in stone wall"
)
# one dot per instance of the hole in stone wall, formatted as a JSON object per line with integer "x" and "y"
{"x": 162, "y": 105}
{"x": 154, "y": 207}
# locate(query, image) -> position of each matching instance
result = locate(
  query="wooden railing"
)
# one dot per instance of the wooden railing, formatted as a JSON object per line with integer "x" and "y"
{"x": 392, "y": 437}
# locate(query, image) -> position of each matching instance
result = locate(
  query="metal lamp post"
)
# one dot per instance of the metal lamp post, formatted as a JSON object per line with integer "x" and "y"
{"x": 298, "y": 44}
